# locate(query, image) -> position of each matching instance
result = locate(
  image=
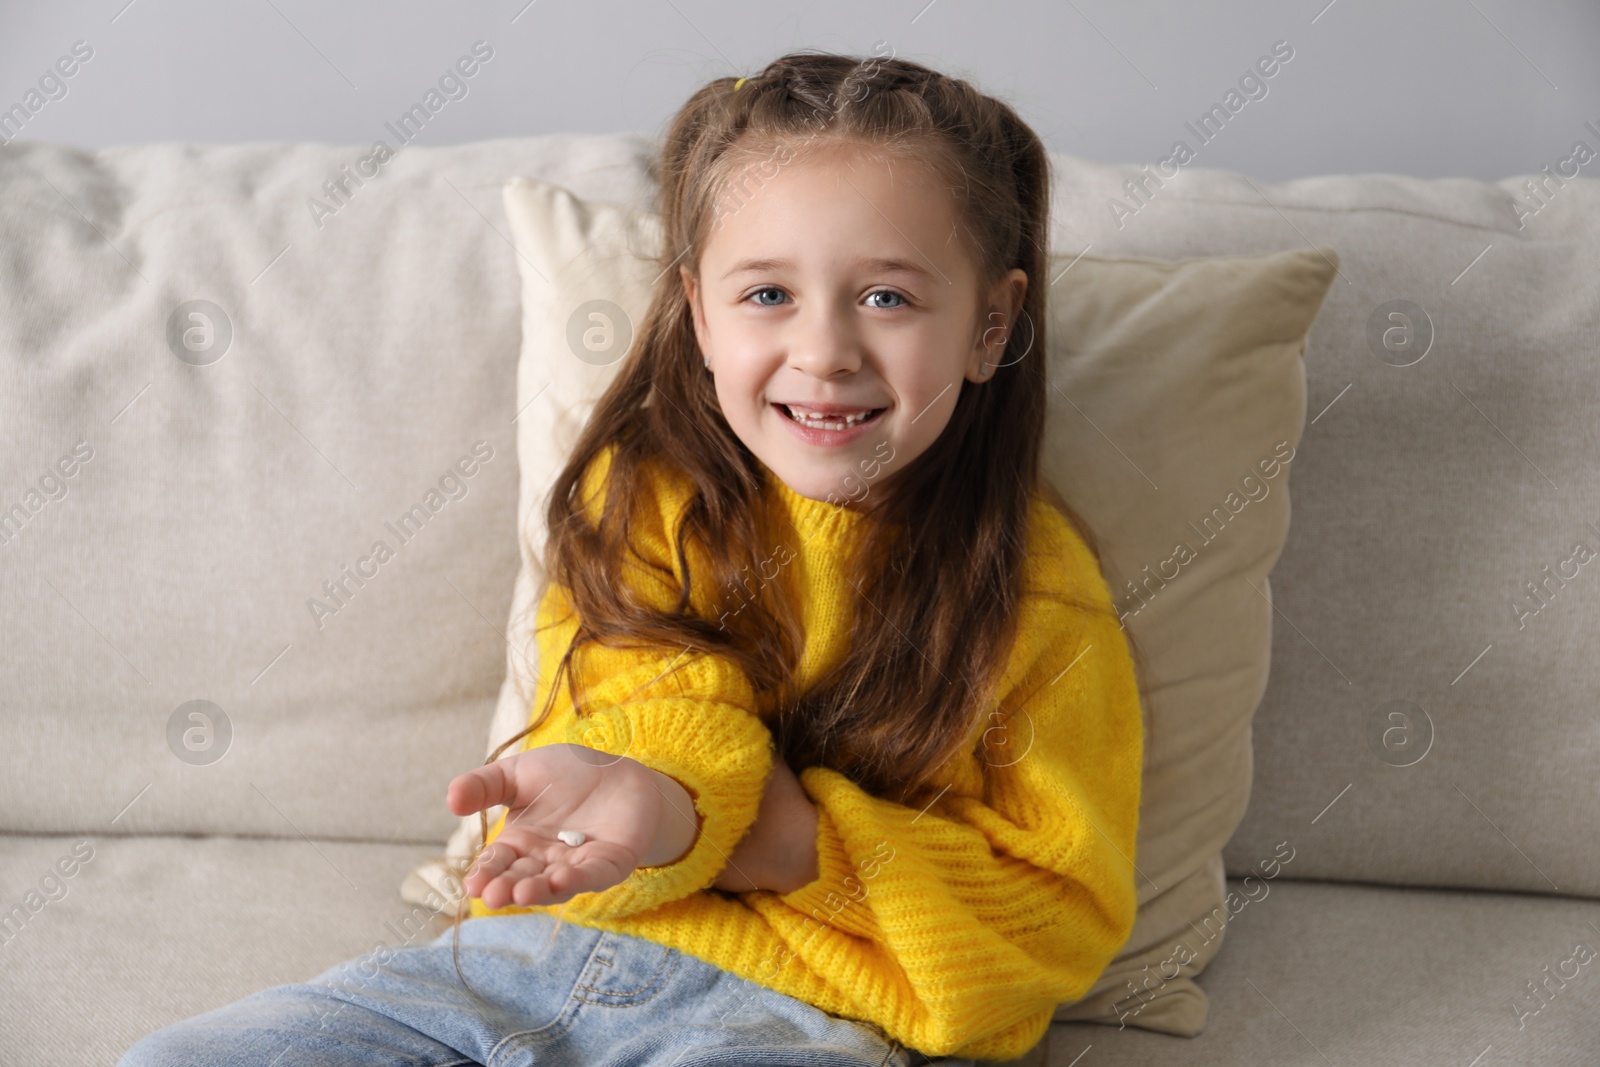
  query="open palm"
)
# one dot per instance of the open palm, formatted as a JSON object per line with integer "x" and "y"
{"x": 611, "y": 799}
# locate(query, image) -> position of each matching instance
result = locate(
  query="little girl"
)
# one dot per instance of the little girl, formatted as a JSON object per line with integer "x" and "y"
{"x": 839, "y": 742}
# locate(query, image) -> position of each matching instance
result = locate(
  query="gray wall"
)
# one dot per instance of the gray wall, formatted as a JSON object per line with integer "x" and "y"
{"x": 1476, "y": 88}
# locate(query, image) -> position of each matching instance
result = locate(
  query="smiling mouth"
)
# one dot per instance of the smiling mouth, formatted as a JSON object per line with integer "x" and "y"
{"x": 830, "y": 422}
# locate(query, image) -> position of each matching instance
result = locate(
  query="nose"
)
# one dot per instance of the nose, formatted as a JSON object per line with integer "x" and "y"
{"x": 824, "y": 343}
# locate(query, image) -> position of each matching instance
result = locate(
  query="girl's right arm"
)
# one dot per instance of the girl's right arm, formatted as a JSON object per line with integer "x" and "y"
{"x": 688, "y": 714}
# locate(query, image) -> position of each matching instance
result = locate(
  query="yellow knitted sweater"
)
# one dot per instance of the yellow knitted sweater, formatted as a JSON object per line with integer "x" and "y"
{"x": 957, "y": 929}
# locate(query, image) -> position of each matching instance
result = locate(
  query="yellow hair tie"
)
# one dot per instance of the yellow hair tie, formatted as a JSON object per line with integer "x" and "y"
{"x": 738, "y": 83}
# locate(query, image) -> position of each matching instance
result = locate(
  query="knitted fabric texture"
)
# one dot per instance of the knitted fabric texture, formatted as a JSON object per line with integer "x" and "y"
{"x": 956, "y": 929}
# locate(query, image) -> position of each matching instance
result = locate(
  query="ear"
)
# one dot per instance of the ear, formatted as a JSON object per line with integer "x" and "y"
{"x": 692, "y": 290}
{"x": 994, "y": 330}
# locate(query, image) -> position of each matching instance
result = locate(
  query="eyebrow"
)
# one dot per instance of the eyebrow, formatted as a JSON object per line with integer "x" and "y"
{"x": 876, "y": 265}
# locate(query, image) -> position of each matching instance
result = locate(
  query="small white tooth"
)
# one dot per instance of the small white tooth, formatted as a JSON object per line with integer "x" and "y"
{"x": 571, "y": 837}
{"x": 828, "y": 422}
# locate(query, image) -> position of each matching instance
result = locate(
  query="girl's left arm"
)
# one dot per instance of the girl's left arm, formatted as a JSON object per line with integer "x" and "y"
{"x": 991, "y": 910}
{"x": 780, "y": 851}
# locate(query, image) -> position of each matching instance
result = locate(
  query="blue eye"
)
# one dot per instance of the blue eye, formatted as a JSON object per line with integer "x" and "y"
{"x": 876, "y": 292}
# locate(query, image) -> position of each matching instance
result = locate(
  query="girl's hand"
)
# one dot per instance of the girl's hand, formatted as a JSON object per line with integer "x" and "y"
{"x": 780, "y": 850}
{"x": 617, "y": 802}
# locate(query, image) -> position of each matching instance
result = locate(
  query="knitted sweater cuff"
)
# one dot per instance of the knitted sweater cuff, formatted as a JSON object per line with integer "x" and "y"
{"x": 838, "y": 896}
{"x": 720, "y": 753}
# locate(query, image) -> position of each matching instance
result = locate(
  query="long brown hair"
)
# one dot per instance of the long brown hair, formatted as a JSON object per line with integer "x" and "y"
{"x": 940, "y": 565}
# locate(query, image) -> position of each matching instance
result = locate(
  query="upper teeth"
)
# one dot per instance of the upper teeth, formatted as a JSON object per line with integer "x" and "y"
{"x": 824, "y": 421}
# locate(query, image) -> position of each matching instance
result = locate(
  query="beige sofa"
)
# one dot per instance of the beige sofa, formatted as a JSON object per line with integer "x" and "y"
{"x": 170, "y": 856}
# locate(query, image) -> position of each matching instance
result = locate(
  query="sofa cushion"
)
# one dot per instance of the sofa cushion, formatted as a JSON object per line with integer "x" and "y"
{"x": 146, "y": 931}
{"x": 1315, "y": 973}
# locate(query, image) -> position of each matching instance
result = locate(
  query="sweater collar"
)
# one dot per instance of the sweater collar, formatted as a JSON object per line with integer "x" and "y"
{"x": 812, "y": 517}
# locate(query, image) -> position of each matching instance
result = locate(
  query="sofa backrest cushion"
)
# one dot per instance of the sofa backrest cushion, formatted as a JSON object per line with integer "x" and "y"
{"x": 202, "y": 632}
{"x": 1430, "y": 715}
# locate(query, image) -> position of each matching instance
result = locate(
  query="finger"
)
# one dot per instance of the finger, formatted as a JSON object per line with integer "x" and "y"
{"x": 509, "y": 848}
{"x": 499, "y": 893}
{"x": 526, "y": 880}
{"x": 586, "y": 870}
{"x": 501, "y": 890}
{"x": 525, "y": 867}
{"x": 516, "y": 871}
{"x": 480, "y": 788}
{"x": 489, "y": 865}
{"x": 557, "y": 884}
{"x": 534, "y": 889}
{"x": 534, "y": 879}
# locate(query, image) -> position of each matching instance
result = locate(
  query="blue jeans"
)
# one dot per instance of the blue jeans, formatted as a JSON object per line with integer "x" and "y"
{"x": 552, "y": 995}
